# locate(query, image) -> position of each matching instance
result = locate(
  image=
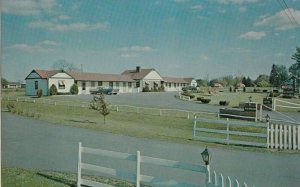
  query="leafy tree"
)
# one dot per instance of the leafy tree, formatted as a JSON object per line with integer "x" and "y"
{"x": 98, "y": 103}
{"x": 74, "y": 89}
{"x": 295, "y": 68}
{"x": 278, "y": 75}
{"x": 4, "y": 82}
{"x": 202, "y": 82}
{"x": 53, "y": 90}
{"x": 62, "y": 64}
{"x": 228, "y": 80}
{"x": 262, "y": 81}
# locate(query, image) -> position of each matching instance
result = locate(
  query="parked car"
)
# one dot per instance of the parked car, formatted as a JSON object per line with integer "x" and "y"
{"x": 189, "y": 88}
{"x": 105, "y": 90}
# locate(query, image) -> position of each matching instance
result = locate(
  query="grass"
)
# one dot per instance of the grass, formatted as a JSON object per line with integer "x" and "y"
{"x": 28, "y": 178}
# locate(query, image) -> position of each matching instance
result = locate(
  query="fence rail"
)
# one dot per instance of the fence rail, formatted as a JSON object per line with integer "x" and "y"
{"x": 120, "y": 108}
{"x": 138, "y": 177}
{"x": 226, "y": 131}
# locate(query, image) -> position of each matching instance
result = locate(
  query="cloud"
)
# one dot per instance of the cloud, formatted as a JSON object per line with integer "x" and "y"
{"x": 252, "y": 35}
{"x": 51, "y": 26}
{"x": 31, "y": 48}
{"x": 181, "y": 1}
{"x": 236, "y": 1}
{"x": 27, "y": 7}
{"x": 280, "y": 21}
{"x": 50, "y": 43}
{"x": 64, "y": 17}
{"x": 196, "y": 7}
{"x": 134, "y": 51}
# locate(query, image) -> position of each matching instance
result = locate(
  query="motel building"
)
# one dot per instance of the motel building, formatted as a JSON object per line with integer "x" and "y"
{"x": 130, "y": 81}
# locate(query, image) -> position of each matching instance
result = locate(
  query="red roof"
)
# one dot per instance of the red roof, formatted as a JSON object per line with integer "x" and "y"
{"x": 178, "y": 80}
{"x": 83, "y": 76}
{"x": 44, "y": 74}
{"x": 137, "y": 75}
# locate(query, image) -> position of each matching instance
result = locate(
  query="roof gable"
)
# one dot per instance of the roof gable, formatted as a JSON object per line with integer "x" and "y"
{"x": 138, "y": 75}
{"x": 43, "y": 74}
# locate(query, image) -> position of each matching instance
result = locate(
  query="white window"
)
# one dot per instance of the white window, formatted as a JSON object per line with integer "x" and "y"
{"x": 61, "y": 84}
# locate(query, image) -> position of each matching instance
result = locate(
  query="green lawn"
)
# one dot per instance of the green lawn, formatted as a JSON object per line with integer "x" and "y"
{"x": 16, "y": 177}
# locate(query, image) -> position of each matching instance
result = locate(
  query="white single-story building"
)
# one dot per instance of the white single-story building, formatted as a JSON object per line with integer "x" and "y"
{"x": 130, "y": 81}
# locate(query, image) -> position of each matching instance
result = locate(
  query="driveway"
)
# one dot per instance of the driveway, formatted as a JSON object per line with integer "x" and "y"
{"x": 167, "y": 100}
{"x": 29, "y": 143}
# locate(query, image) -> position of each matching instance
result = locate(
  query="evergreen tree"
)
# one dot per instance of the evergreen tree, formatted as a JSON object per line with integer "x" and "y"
{"x": 295, "y": 68}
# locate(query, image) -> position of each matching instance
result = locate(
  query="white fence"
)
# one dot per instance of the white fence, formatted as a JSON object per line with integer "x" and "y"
{"x": 138, "y": 178}
{"x": 223, "y": 127}
{"x": 284, "y": 136}
{"x": 284, "y": 104}
{"x": 120, "y": 108}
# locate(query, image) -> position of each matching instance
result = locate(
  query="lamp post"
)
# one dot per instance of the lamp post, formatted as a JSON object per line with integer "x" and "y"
{"x": 267, "y": 118}
{"x": 206, "y": 156}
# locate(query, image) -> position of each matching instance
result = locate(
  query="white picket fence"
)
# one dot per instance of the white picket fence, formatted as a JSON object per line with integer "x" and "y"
{"x": 138, "y": 178}
{"x": 284, "y": 136}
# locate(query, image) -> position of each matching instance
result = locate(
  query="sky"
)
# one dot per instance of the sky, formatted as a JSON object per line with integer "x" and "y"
{"x": 179, "y": 38}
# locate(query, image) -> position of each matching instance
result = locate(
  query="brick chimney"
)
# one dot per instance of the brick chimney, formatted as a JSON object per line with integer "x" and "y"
{"x": 138, "y": 69}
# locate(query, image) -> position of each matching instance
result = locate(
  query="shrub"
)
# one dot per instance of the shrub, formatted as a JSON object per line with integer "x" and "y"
{"x": 192, "y": 96}
{"x": 265, "y": 91}
{"x": 161, "y": 88}
{"x": 74, "y": 89}
{"x": 39, "y": 93}
{"x": 200, "y": 98}
{"x": 53, "y": 90}
{"x": 146, "y": 89}
{"x": 205, "y": 100}
{"x": 224, "y": 103}
{"x": 10, "y": 107}
{"x": 230, "y": 89}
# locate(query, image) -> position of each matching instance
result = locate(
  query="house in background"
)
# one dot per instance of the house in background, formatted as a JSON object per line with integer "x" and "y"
{"x": 86, "y": 81}
{"x": 14, "y": 85}
{"x": 43, "y": 79}
{"x": 176, "y": 84}
{"x": 145, "y": 77}
{"x": 130, "y": 81}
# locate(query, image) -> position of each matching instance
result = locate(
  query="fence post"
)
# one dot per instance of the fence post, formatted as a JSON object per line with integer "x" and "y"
{"x": 228, "y": 182}
{"x": 138, "y": 168}
{"x": 272, "y": 139}
{"x": 195, "y": 125}
{"x": 290, "y": 137}
{"x": 117, "y": 108}
{"x": 221, "y": 180}
{"x": 280, "y": 137}
{"x": 285, "y": 136}
{"x": 276, "y": 136}
{"x": 227, "y": 131}
{"x": 207, "y": 180}
{"x": 294, "y": 137}
{"x": 214, "y": 179}
{"x": 268, "y": 134}
{"x": 79, "y": 166}
{"x": 255, "y": 112}
{"x": 188, "y": 115}
{"x": 236, "y": 183}
{"x": 274, "y": 105}
{"x": 260, "y": 112}
{"x": 298, "y": 132}
{"x": 160, "y": 112}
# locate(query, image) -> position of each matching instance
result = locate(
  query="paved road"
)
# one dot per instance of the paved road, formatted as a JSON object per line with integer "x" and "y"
{"x": 167, "y": 100}
{"x": 29, "y": 143}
